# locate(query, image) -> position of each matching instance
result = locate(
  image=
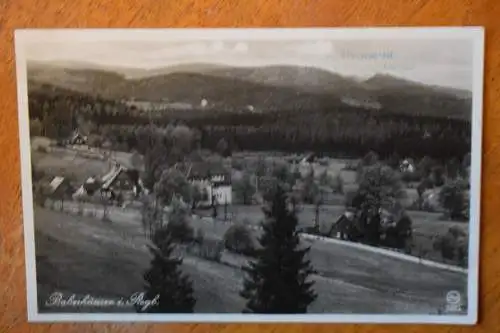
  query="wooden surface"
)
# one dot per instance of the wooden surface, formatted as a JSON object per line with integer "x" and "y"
{"x": 233, "y": 13}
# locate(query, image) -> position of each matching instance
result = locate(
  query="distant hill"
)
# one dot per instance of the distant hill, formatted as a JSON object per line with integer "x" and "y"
{"x": 265, "y": 88}
{"x": 197, "y": 68}
{"x": 384, "y": 82}
{"x": 88, "y": 81}
{"x": 404, "y": 96}
{"x": 221, "y": 92}
{"x": 304, "y": 78}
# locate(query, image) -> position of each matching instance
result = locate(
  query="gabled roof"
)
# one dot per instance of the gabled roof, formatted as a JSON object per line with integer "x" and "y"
{"x": 76, "y": 134}
{"x": 114, "y": 173}
{"x": 203, "y": 170}
{"x": 56, "y": 182}
{"x": 110, "y": 177}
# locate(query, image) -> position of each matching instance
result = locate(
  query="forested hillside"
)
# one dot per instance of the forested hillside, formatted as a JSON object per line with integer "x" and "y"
{"x": 340, "y": 130}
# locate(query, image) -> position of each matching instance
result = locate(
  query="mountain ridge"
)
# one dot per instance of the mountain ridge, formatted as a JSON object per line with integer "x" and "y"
{"x": 216, "y": 69}
{"x": 266, "y": 87}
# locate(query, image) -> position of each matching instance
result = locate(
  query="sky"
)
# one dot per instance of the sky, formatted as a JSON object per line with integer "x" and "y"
{"x": 446, "y": 62}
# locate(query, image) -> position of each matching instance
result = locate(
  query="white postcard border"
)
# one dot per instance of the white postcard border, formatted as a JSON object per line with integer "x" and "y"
{"x": 476, "y": 34}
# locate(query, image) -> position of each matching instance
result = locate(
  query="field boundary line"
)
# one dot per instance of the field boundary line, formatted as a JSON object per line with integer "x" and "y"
{"x": 389, "y": 253}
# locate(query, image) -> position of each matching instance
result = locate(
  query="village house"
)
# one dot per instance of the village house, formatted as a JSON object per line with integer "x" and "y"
{"x": 77, "y": 138}
{"x": 59, "y": 188}
{"x": 120, "y": 182}
{"x": 214, "y": 182}
{"x": 407, "y": 166}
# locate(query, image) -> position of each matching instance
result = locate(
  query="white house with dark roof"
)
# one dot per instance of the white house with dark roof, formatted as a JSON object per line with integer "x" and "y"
{"x": 407, "y": 166}
{"x": 214, "y": 182}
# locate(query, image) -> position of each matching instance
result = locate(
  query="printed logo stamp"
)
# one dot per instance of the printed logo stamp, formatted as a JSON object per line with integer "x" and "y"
{"x": 453, "y": 301}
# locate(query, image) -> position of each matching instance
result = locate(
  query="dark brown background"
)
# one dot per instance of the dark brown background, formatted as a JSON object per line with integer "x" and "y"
{"x": 232, "y": 13}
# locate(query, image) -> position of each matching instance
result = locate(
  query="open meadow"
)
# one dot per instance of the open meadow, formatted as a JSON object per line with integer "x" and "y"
{"x": 112, "y": 256}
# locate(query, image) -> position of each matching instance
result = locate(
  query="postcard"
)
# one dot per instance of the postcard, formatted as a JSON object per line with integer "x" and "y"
{"x": 251, "y": 175}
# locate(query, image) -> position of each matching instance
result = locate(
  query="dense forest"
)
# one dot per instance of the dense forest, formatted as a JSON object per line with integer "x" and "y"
{"x": 344, "y": 131}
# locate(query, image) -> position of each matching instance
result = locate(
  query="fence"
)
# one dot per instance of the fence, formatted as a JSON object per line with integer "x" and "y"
{"x": 90, "y": 209}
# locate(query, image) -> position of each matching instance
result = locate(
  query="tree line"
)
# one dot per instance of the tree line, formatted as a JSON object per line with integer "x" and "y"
{"x": 343, "y": 132}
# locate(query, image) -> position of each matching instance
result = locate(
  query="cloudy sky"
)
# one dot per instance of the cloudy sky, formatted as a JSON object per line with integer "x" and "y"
{"x": 446, "y": 62}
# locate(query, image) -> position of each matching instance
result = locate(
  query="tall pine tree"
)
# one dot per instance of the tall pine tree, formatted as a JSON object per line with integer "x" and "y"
{"x": 276, "y": 281}
{"x": 165, "y": 278}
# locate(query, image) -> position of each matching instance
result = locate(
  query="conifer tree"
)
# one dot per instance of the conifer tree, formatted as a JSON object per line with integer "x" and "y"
{"x": 165, "y": 281}
{"x": 277, "y": 281}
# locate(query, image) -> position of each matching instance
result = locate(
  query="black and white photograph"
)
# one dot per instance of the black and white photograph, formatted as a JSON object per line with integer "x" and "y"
{"x": 251, "y": 175}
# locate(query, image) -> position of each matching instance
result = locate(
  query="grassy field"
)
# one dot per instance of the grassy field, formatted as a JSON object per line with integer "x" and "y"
{"x": 75, "y": 164}
{"x": 69, "y": 164}
{"x": 86, "y": 255}
{"x": 78, "y": 255}
{"x": 426, "y": 226}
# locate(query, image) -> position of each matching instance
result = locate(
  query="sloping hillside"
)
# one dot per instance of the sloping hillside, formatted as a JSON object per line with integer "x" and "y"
{"x": 84, "y": 255}
{"x": 263, "y": 88}
{"x": 384, "y": 82}
{"x": 88, "y": 81}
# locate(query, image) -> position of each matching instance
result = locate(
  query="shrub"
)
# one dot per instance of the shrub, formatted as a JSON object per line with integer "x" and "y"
{"x": 238, "y": 164}
{"x": 437, "y": 176}
{"x": 39, "y": 194}
{"x": 312, "y": 230}
{"x": 36, "y": 127}
{"x": 244, "y": 189}
{"x": 338, "y": 184}
{"x": 403, "y": 231}
{"x": 239, "y": 239}
{"x": 209, "y": 249}
{"x": 42, "y": 149}
{"x": 181, "y": 231}
{"x": 409, "y": 177}
{"x": 80, "y": 207}
{"x": 453, "y": 246}
{"x": 445, "y": 244}
{"x": 452, "y": 198}
{"x": 457, "y": 232}
{"x": 422, "y": 205}
{"x": 179, "y": 222}
{"x": 351, "y": 166}
{"x": 199, "y": 236}
{"x": 350, "y": 197}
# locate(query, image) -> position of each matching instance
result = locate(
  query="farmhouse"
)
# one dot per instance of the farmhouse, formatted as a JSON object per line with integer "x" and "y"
{"x": 120, "y": 181}
{"x": 214, "y": 182}
{"x": 59, "y": 187}
{"x": 340, "y": 228}
{"x": 77, "y": 139}
{"x": 309, "y": 158}
{"x": 407, "y": 165}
